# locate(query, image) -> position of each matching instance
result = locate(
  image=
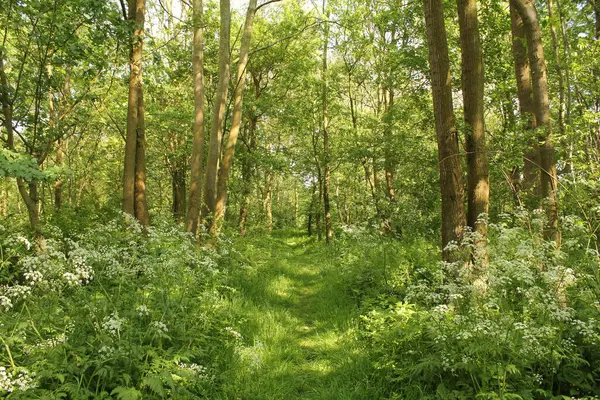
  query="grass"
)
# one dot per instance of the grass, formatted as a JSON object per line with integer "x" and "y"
{"x": 298, "y": 325}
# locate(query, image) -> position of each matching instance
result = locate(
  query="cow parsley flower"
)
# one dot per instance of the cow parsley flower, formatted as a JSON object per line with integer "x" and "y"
{"x": 113, "y": 324}
{"x": 143, "y": 310}
{"x": 159, "y": 326}
{"x": 13, "y": 381}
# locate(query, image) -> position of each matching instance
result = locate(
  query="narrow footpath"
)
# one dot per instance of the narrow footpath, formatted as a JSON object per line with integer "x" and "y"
{"x": 298, "y": 325}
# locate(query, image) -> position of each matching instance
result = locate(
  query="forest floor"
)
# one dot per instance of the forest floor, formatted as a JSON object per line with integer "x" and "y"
{"x": 298, "y": 329}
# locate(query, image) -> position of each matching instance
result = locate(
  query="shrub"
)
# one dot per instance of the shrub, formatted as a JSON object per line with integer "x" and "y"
{"x": 112, "y": 312}
{"x": 523, "y": 326}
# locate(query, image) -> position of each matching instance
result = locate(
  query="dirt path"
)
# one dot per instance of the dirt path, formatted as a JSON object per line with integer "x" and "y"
{"x": 298, "y": 335}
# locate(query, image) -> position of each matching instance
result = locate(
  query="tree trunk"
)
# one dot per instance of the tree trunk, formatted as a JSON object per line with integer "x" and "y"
{"x": 539, "y": 78}
{"x": 218, "y": 117}
{"x": 58, "y": 185}
{"x": 296, "y": 206}
{"x": 130, "y": 169}
{"x": 559, "y": 69}
{"x": 597, "y": 16}
{"x": 478, "y": 187}
{"x": 247, "y": 173}
{"x": 238, "y": 98}
{"x": 178, "y": 187}
{"x": 141, "y": 203}
{"x": 268, "y": 201}
{"x": 531, "y": 159}
{"x": 451, "y": 174}
{"x": 193, "y": 212}
{"x": 325, "y": 126}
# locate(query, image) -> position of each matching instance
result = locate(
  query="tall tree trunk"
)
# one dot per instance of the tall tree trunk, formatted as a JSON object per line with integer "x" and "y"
{"x": 141, "y": 203}
{"x": 531, "y": 158}
{"x": 193, "y": 212}
{"x": 179, "y": 193}
{"x": 58, "y": 185}
{"x": 451, "y": 174}
{"x": 478, "y": 187}
{"x": 130, "y": 169}
{"x": 296, "y": 206}
{"x": 268, "y": 201}
{"x": 558, "y": 63}
{"x": 218, "y": 117}
{"x": 597, "y": 16}
{"x": 539, "y": 78}
{"x": 247, "y": 173}
{"x": 325, "y": 126}
{"x": 238, "y": 98}
{"x": 60, "y": 143}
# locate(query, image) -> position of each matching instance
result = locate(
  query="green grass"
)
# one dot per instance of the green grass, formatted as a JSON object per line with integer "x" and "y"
{"x": 298, "y": 325}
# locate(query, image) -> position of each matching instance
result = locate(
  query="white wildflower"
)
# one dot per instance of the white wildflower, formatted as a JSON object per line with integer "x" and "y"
{"x": 234, "y": 333}
{"x": 113, "y": 324}
{"x": 13, "y": 381}
{"x": 143, "y": 310}
{"x": 159, "y": 326}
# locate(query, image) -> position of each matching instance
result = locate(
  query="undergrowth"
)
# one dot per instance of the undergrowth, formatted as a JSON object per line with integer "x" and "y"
{"x": 114, "y": 313}
{"x": 524, "y": 325}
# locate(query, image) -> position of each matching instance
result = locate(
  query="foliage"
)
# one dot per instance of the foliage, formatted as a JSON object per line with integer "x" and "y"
{"x": 112, "y": 312}
{"x": 523, "y": 326}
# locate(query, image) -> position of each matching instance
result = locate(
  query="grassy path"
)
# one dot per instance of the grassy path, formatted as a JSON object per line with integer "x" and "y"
{"x": 298, "y": 325}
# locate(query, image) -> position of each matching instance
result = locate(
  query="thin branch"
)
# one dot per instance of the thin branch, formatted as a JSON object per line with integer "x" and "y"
{"x": 123, "y": 10}
{"x": 267, "y": 3}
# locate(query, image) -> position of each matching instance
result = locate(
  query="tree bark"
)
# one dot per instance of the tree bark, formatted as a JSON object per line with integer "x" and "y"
{"x": 531, "y": 158}
{"x": 325, "y": 126}
{"x": 141, "y": 203}
{"x": 559, "y": 69}
{"x": 195, "y": 199}
{"x": 539, "y": 78}
{"x": 238, "y": 98}
{"x": 178, "y": 187}
{"x": 218, "y": 116}
{"x": 478, "y": 187}
{"x": 451, "y": 174}
{"x": 131, "y": 172}
{"x": 248, "y": 172}
{"x": 268, "y": 201}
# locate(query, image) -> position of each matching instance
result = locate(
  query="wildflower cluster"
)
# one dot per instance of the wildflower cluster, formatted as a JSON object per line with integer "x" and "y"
{"x": 15, "y": 381}
{"x": 512, "y": 326}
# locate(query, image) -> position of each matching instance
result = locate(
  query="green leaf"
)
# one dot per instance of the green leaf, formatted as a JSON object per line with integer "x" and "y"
{"x": 125, "y": 393}
{"x": 155, "y": 384}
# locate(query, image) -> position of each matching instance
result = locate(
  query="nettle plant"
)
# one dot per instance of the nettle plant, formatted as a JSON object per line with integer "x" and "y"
{"x": 523, "y": 325}
{"x": 112, "y": 313}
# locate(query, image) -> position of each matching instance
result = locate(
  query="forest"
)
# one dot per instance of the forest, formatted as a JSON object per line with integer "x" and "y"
{"x": 294, "y": 199}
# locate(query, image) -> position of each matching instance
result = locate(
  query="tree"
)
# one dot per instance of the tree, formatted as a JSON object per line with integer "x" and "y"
{"x": 238, "y": 98}
{"x": 134, "y": 167}
{"x": 325, "y": 131}
{"x": 478, "y": 189}
{"x": 218, "y": 116}
{"x": 451, "y": 174}
{"x": 198, "y": 146}
{"x": 541, "y": 106}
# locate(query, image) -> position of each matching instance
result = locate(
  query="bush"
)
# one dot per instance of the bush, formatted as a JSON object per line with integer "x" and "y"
{"x": 523, "y": 326}
{"x": 112, "y": 313}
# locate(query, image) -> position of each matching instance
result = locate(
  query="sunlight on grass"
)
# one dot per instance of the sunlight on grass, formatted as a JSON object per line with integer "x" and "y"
{"x": 298, "y": 330}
